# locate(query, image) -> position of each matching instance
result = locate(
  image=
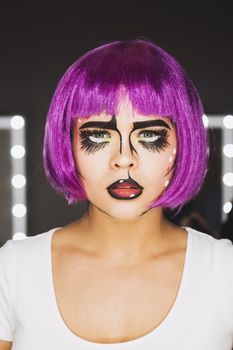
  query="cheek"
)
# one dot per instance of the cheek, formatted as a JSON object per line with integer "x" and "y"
{"x": 92, "y": 164}
{"x": 159, "y": 162}
{"x": 156, "y": 166}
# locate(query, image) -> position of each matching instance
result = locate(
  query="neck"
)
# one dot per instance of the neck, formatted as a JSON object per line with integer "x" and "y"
{"x": 133, "y": 240}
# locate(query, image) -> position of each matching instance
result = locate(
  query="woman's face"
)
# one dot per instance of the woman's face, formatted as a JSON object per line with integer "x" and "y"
{"x": 125, "y": 161}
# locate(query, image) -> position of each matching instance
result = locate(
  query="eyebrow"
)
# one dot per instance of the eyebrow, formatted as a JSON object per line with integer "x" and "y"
{"x": 136, "y": 125}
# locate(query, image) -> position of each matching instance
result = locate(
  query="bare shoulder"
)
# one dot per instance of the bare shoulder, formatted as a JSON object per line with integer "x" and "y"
{"x": 5, "y": 345}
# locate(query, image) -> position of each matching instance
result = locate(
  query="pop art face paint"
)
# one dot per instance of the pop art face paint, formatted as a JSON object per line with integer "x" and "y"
{"x": 124, "y": 160}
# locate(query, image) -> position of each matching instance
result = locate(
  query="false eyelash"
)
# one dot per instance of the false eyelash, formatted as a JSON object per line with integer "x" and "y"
{"x": 158, "y": 145}
{"x": 89, "y": 146}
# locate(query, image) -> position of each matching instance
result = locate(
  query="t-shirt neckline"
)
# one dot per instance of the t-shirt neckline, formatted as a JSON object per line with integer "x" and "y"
{"x": 153, "y": 333}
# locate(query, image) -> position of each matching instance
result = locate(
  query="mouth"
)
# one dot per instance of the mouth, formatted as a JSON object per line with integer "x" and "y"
{"x": 125, "y": 189}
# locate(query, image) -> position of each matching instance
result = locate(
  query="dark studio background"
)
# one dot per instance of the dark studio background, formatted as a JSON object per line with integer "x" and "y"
{"x": 39, "y": 42}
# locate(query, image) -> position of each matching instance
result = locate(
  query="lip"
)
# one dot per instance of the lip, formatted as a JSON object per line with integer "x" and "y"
{"x": 125, "y": 189}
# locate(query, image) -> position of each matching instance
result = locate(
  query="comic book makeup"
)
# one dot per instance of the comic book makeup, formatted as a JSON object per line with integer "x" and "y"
{"x": 124, "y": 160}
{"x": 156, "y": 85}
{"x": 93, "y": 140}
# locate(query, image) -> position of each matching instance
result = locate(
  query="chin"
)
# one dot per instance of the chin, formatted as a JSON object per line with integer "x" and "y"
{"x": 125, "y": 211}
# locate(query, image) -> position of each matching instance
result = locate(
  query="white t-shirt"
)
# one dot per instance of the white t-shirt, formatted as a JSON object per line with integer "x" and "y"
{"x": 201, "y": 317}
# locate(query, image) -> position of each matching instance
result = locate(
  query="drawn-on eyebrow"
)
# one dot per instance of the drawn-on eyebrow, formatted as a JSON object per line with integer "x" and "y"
{"x": 149, "y": 123}
{"x": 110, "y": 125}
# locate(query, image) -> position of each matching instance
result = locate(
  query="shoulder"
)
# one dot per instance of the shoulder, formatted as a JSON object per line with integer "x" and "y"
{"x": 25, "y": 247}
{"x": 212, "y": 253}
{"x": 217, "y": 246}
{"x": 215, "y": 256}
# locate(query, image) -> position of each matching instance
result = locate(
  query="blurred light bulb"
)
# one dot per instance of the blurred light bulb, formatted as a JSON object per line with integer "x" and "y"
{"x": 228, "y": 179}
{"x": 19, "y": 235}
{"x": 17, "y": 122}
{"x": 228, "y": 150}
{"x": 228, "y": 121}
{"x": 19, "y": 210}
{"x": 18, "y": 181}
{"x": 17, "y": 151}
{"x": 227, "y": 207}
{"x": 205, "y": 120}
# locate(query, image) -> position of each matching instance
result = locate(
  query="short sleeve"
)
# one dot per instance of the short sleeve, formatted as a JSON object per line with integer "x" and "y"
{"x": 6, "y": 281}
{"x": 225, "y": 262}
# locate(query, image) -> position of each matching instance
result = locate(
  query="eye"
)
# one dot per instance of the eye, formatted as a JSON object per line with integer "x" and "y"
{"x": 154, "y": 140}
{"x": 148, "y": 136}
{"x": 99, "y": 136}
{"x": 94, "y": 140}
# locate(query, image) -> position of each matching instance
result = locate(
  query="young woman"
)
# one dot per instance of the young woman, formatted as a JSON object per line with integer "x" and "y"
{"x": 124, "y": 131}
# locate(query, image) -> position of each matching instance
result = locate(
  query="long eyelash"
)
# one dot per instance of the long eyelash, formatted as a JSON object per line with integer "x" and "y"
{"x": 89, "y": 146}
{"x": 158, "y": 145}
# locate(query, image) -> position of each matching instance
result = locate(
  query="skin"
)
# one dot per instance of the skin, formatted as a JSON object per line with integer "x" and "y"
{"x": 108, "y": 222}
{"x": 121, "y": 245}
{"x": 120, "y": 252}
{"x": 5, "y": 345}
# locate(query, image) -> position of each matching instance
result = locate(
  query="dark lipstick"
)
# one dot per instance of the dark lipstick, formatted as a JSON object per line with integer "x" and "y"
{"x": 125, "y": 189}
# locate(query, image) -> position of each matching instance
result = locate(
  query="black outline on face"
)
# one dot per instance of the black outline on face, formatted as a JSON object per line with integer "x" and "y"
{"x": 173, "y": 165}
{"x": 111, "y": 125}
{"x": 103, "y": 211}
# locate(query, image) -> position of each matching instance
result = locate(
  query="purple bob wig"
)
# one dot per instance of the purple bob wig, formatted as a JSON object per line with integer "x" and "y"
{"x": 155, "y": 84}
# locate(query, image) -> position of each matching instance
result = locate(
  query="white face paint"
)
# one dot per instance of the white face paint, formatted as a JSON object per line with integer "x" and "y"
{"x": 127, "y": 146}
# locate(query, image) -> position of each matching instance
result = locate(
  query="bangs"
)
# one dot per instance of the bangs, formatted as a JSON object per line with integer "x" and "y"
{"x": 103, "y": 78}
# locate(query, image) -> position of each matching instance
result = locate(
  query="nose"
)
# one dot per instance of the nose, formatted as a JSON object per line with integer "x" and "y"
{"x": 125, "y": 157}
